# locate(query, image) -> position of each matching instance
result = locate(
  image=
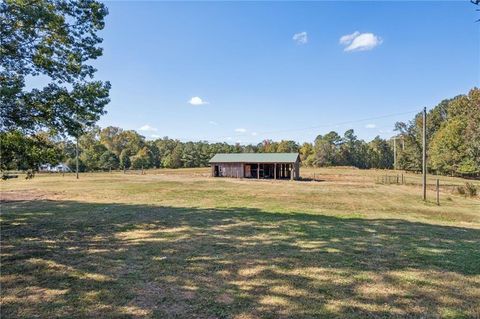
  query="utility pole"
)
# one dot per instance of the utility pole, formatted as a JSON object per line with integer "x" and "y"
{"x": 394, "y": 152}
{"x": 76, "y": 156}
{"x": 424, "y": 155}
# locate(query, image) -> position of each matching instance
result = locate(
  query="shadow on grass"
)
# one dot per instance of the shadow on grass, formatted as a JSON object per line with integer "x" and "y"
{"x": 74, "y": 259}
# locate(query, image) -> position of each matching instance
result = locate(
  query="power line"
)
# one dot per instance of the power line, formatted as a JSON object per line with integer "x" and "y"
{"x": 325, "y": 125}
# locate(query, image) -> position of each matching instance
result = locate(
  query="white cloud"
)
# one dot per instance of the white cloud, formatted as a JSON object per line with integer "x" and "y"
{"x": 148, "y": 128}
{"x": 254, "y": 133}
{"x": 360, "y": 41}
{"x": 348, "y": 38}
{"x": 240, "y": 130}
{"x": 212, "y": 123}
{"x": 197, "y": 101}
{"x": 300, "y": 38}
{"x": 155, "y": 135}
{"x": 370, "y": 126}
{"x": 228, "y": 138}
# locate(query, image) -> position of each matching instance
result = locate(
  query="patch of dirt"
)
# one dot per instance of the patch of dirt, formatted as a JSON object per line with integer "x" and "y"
{"x": 24, "y": 195}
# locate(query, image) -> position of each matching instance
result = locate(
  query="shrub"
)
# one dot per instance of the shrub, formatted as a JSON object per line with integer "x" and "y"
{"x": 471, "y": 189}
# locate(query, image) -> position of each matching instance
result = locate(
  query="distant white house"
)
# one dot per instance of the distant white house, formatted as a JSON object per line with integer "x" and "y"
{"x": 54, "y": 168}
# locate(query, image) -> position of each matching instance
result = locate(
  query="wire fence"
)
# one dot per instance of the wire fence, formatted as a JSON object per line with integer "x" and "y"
{"x": 440, "y": 187}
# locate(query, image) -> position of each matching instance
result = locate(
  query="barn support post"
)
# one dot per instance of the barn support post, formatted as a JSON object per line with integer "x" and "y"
{"x": 291, "y": 171}
{"x": 258, "y": 170}
{"x": 275, "y": 170}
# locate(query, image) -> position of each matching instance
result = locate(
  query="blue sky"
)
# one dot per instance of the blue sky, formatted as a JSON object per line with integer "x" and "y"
{"x": 231, "y": 71}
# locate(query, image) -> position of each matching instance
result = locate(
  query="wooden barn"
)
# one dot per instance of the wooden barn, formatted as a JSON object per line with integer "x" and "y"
{"x": 256, "y": 165}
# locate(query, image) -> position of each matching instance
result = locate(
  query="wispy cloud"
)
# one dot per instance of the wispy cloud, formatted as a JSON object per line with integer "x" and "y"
{"x": 360, "y": 41}
{"x": 148, "y": 128}
{"x": 197, "y": 101}
{"x": 371, "y": 125}
{"x": 240, "y": 130}
{"x": 254, "y": 134}
{"x": 300, "y": 38}
{"x": 212, "y": 123}
{"x": 348, "y": 38}
{"x": 155, "y": 136}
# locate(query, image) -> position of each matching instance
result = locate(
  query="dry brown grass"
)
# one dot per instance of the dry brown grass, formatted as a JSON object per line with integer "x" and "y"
{"x": 178, "y": 244}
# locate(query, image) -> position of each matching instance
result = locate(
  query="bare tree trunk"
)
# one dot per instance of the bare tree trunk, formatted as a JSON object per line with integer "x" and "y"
{"x": 76, "y": 157}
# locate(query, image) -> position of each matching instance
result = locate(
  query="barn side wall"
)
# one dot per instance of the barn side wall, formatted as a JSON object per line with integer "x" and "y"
{"x": 297, "y": 170}
{"x": 231, "y": 169}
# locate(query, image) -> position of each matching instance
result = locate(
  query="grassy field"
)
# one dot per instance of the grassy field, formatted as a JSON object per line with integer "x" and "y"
{"x": 179, "y": 244}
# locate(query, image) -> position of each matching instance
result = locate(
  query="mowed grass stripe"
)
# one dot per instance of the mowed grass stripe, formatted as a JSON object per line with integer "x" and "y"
{"x": 176, "y": 244}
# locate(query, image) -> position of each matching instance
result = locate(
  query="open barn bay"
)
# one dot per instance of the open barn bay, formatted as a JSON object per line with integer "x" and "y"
{"x": 180, "y": 244}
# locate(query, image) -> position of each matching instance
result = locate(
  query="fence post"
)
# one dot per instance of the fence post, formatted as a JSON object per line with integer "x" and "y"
{"x": 402, "y": 179}
{"x": 397, "y": 179}
{"x": 438, "y": 192}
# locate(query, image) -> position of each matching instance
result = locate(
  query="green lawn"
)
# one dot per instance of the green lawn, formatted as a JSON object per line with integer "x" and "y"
{"x": 178, "y": 244}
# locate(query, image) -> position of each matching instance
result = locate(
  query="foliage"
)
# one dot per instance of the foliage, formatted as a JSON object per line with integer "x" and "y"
{"x": 453, "y": 137}
{"x": 24, "y": 152}
{"x": 447, "y": 149}
{"x": 380, "y": 153}
{"x": 124, "y": 159}
{"x": 53, "y": 39}
{"x": 115, "y": 148}
{"x": 109, "y": 161}
{"x": 141, "y": 159}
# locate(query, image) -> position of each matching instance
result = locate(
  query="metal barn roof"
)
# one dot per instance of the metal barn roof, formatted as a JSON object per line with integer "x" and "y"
{"x": 255, "y": 158}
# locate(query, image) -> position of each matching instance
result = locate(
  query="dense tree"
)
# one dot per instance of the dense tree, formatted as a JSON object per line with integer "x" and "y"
{"x": 326, "y": 149}
{"x": 289, "y": 146}
{"x": 174, "y": 158}
{"x": 55, "y": 39}
{"x": 307, "y": 154}
{"x": 380, "y": 154}
{"x": 453, "y": 137}
{"x": 24, "y": 152}
{"x": 124, "y": 159}
{"x": 453, "y": 141}
{"x": 141, "y": 160}
{"x": 109, "y": 161}
{"x": 190, "y": 156}
{"x": 267, "y": 146}
{"x": 455, "y": 146}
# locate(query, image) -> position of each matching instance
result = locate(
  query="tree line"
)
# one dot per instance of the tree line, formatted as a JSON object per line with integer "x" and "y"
{"x": 113, "y": 148}
{"x": 58, "y": 39}
{"x": 453, "y": 138}
{"x": 453, "y": 135}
